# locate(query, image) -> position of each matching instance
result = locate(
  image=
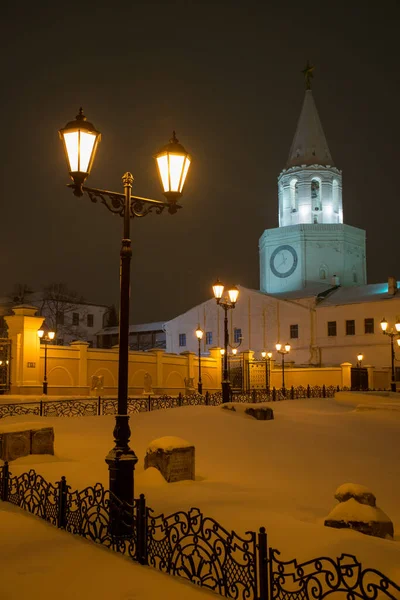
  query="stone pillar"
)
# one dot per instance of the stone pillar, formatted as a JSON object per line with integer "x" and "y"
{"x": 370, "y": 370}
{"x": 346, "y": 374}
{"x": 82, "y": 348}
{"x": 248, "y": 356}
{"x": 159, "y": 382}
{"x": 215, "y": 354}
{"x": 23, "y": 326}
{"x": 190, "y": 356}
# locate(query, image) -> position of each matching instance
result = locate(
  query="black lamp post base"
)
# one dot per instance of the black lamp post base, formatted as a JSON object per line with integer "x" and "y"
{"x": 121, "y": 466}
{"x": 45, "y": 387}
{"x": 200, "y": 388}
{"x": 226, "y": 392}
{"x": 393, "y": 387}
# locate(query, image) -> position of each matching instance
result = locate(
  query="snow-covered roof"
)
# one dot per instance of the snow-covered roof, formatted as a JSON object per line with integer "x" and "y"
{"x": 309, "y": 146}
{"x": 139, "y": 328}
{"x": 372, "y": 292}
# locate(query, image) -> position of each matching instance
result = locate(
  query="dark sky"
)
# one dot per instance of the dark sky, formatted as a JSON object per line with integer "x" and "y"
{"x": 227, "y": 77}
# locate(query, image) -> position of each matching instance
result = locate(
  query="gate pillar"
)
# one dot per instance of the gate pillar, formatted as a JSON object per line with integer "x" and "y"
{"x": 23, "y": 326}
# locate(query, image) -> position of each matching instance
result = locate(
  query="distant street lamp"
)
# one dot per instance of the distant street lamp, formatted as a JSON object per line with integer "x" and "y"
{"x": 283, "y": 351}
{"x": 199, "y": 335}
{"x": 393, "y": 333}
{"x": 46, "y": 337}
{"x": 267, "y": 357}
{"x": 81, "y": 139}
{"x": 360, "y": 358}
{"x": 226, "y": 304}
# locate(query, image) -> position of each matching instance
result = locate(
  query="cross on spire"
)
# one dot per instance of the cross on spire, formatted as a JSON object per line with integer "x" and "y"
{"x": 308, "y": 74}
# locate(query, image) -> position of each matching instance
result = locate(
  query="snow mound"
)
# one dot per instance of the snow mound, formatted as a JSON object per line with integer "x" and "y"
{"x": 353, "y": 490}
{"x": 167, "y": 443}
{"x": 351, "y": 510}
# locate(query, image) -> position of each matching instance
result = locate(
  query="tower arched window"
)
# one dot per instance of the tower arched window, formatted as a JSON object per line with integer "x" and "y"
{"x": 335, "y": 195}
{"x": 316, "y": 194}
{"x": 294, "y": 192}
{"x": 323, "y": 272}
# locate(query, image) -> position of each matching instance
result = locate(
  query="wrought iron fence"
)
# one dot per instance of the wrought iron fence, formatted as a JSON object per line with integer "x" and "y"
{"x": 108, "y": 406}
{"x": 192, "y": 546}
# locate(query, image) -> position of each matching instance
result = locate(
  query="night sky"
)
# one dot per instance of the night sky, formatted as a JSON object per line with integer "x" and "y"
{"x": 227, "y": 77}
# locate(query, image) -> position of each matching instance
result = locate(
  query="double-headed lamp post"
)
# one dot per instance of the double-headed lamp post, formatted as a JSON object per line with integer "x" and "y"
{"x": 283, "y": 351}
{"x": 226, "y": 304}
{"x": 46, "y": 337}
{"x": 393, "y": 333}
{"x": 81, "y": 140}
{"x": 199, "y": 335}
{"x": 267, "y": 357}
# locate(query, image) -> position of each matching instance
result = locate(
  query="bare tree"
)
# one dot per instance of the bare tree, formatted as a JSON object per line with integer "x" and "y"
{"x": 112, "y": 319}
{"x": 20, "y": 293}
{"x": 60, "y": 306}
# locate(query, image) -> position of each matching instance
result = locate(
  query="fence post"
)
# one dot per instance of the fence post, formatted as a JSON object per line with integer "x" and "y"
{"x": 254, "y": 395}
{"x": 180, "y": 399}
{"x": 62, "y": 503}
{"x": 292, "y": 393}
{"x": 324, "y": 391}
{"x": 308, "y": 391}
{"x": 41, "y": 408}
{"x": 263, "y": 564}
{"x": 99, "y": 406}
{"x": 6, "y": 478}
{"x": 141, "y": 528}
{"x": 207, "y": 397}
{"x": 273, "y": 394}
{"x": 149, "y": 403}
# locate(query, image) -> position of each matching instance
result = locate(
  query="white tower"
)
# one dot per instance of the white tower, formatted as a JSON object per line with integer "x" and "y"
{"x": 312, "y": 244}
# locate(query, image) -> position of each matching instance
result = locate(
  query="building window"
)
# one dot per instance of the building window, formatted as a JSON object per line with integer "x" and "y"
{"x": 315, "y": 195}
{"x": 182, "y": 340}
{"x": 75, "y": 318}
{"x": 294, "y": 190}
{"x": 331, "y": 328}
{"x": 294, "y": 332}
{"x": 335, "y": 195}
{"x": 323, "y": 271}
{"x": 237, "y": 335}
{"x": 208, "y": 337}
{"x": 368, "y": 326}
{"x": 60, "y": 318}
{"x": 350, "y": 327}
{"x": 90, "y": 320}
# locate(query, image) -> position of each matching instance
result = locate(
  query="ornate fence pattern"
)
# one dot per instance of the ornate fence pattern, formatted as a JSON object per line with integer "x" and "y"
{"x": 192, "y": 546}
{"x": 108, "y": 406}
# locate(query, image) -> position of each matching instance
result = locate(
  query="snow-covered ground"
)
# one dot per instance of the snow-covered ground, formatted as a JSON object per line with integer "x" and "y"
{"x": 281, "y": 474}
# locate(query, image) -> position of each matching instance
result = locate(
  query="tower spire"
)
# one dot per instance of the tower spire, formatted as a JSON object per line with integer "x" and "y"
{"x": 309, "y": 146}
{"x": 308, "y": 74}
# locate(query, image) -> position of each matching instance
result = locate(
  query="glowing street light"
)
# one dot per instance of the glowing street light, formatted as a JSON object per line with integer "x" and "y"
{"x": 282, "y": 352}
{"x": 227, "y": 304}
{"x": 46, "y": 337}
{"x": 393, "y": 334}
{"x": 199, "y": 335}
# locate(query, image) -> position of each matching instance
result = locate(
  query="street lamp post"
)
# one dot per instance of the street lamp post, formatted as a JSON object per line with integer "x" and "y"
{"x": 267, "y": 356}
{"x": 46, "y": 337}
{"x": 393, "y": 333}
{"x": 81, "y": 140}
{"x": 282, "y": 352}
{"x": 360, "y": 358}
{"x": 199, "y": 335}
{"x": 226, "y": 304}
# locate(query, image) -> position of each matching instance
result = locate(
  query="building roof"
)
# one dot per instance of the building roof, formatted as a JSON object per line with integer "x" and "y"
{"x": 372, "y": 292}
{"x": 309, "y": 146}
{"x": 139, "y": 328}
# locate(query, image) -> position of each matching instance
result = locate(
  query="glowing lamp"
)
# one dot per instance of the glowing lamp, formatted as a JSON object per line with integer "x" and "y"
{"x": 263, "y": 354}
{"x": 278, "y": 347}
{"x": 397, "y": 325}
{"x": 51, "y": 335}
{"x": 218, "y": 290}
{"x": 233, "y": 294}
{"x": 173, "y": 164}
{"x": 40, "y": 333}
{"x": 234, "y": 351}
{"x": 222, "y": 351}
{"x": 199, "y": 333}
{"x": 398, "y": 341}
{"x": 360, "y": 357}
{"x": 80, "y": 139}
{"x": 269, "y": 355}
{"x": 384, "y": 325}
{"x": 287, "y": 347}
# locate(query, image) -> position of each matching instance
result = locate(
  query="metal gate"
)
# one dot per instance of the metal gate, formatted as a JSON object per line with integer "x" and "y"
{"x": 5, "y": 364}
{"x": 359, "y": 378}
{"x": 258, "y": 374}
{"x": 235, "y": 370}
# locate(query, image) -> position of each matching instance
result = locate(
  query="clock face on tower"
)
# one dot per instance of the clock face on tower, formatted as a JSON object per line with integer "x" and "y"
{"x": 283, "y": 261}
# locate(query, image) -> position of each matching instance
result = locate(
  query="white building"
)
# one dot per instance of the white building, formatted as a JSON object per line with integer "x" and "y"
{"x": 313, "y": 291}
